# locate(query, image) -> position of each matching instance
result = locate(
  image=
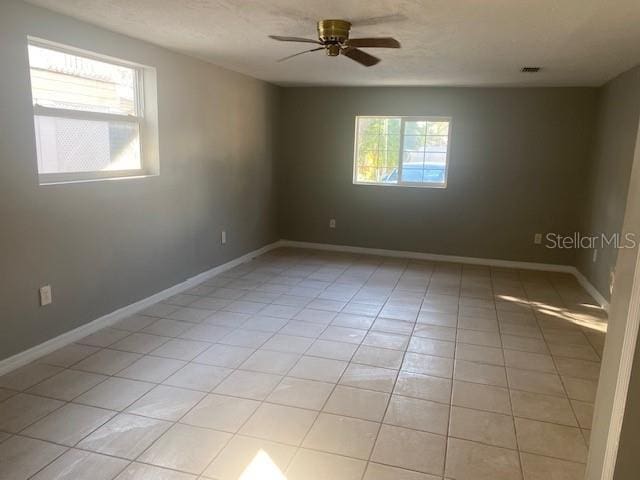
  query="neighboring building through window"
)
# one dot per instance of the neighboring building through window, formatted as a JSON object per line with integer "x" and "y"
{"x": 88, "y": 115}
{"x": 404, "y": 151}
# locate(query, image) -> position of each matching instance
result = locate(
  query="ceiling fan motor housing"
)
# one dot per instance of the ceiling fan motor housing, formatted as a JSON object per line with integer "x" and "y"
{"x": 332, "y": 33}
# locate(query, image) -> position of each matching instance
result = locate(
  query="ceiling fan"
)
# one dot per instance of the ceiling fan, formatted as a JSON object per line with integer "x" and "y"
{"x": 333, "y": 37}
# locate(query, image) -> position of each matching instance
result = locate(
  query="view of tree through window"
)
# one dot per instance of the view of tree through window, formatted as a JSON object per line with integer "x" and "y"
{"x": 402, "y": 150}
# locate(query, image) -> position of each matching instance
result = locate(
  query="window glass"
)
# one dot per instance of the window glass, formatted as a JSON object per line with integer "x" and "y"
{"x": 87, "y": 113}
{"x": 402, "y": 151}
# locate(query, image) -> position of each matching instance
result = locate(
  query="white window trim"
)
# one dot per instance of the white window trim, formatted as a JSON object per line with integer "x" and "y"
{"x": 139, "y": 118}
{"x": 400, "y": 183}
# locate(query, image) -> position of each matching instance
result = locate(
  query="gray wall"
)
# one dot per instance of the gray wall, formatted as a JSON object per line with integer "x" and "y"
{"x": 104, "y": 245}
{"x": 617, "y": 185}
{"x": 627, "y": 461}
{"x": 618, "y": 111}
{"x": 517, "y": 167}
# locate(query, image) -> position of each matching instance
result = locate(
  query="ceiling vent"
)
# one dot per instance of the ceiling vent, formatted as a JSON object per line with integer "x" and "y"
{"x": 530, "y": 69}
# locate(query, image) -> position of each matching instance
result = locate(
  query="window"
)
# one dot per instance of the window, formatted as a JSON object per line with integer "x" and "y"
{"x": 88, "y": 115}
{"x": 405, "y": 151}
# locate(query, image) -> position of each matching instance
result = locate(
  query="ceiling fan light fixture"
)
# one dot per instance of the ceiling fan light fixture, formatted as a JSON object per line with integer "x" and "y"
{"x": 333, "y": 31}
{"x": 333, "y": 38}
{"x": 333, "y": 49}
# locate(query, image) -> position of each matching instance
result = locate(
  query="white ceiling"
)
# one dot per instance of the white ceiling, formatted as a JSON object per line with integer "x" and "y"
{"x": 445, "y": 42}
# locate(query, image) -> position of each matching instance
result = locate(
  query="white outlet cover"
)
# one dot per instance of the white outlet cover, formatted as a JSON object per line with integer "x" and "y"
{"x": 332, "y": 223}
{"x": 45, "y": 295}
{"x": 223, "y": 238}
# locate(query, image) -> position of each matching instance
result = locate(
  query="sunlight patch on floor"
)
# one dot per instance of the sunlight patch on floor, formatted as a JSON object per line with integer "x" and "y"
{"x": 262, "y": 468}
{"x": 594, "y": 321}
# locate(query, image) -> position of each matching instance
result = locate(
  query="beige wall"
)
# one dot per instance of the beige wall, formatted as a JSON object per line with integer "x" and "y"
{"x": 104, "y": 245}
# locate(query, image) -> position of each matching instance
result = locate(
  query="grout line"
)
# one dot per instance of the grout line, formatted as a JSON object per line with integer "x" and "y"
{"x": 453, "y": 375}
{"x": 317, "y": 414}
{"x": 212, "y": 391}
{"x": 281, "y": 444}
{"x": 564, "y": 388}
{"x": 513, "y": 418}
{"x": 391, "y": 393}
{"x": 335, "y": 386}
{"x": 460, "y": 274}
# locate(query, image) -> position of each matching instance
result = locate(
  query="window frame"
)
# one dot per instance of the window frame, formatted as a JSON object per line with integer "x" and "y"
{"x": 138, "y": 118}
{"x": 403, "y": 119}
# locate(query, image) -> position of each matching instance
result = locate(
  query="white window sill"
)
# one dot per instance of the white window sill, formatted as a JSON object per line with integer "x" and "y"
{"x": 43, "y": 182}
{"x": 439, "y": 186}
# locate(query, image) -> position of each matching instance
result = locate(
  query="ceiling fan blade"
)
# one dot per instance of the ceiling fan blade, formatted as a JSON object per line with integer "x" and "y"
{"x": 300, "y": 53}
{"x": 359, "y": 56}
{"x": 293, "y": 39}
{"x": 361, "y": 22}
{"x": 380, "y": 42}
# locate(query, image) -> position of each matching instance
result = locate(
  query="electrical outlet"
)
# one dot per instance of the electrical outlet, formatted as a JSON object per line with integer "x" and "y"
{"x": 46, "y": 296}
{"x": 223, "y": 237}
{"x": 537, "y": 238}
{"x": 332, "y": 223}
{"x": 595, "y": 255}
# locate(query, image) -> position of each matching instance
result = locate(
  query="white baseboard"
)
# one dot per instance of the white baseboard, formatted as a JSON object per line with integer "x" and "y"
{"x": 27, "y": 356}
{"x": 593, "y": 291}
{"x": 549, "y": 267}
{"x": 23, "y": 358}
{"x": 489, "y": 262}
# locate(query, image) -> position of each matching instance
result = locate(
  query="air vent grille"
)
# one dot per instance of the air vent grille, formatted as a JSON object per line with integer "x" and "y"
{"x": 530, "y": 69}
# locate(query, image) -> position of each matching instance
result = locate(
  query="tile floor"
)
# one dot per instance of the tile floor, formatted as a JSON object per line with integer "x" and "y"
{"x": 310, "y": 365}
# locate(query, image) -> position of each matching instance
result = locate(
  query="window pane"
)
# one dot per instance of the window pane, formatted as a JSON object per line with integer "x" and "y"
{"x": 412, "y": 165}
{"x": 367, "y": 174}
{"x": 414, "y": 143}
{"x": 390, "y": 142}
{"x": 412, "y": 158}
{"x": 378, "y": 149}
{"x": 412, "y": 174}
{"x": 434, "y": 175}
{"x": 378, "y": 126}
{"x": 368, "y": 158}
{"x": 415, "y": 127}
{"x": 435, "y": 165}
{"x": 421, "y": 150}
{"x": 437, "y": 143}
{"x": 437, "y": 128}
{"x": 387, "y": 175}
{"x": 370, "y": 126}
{"x": 66, "y": 145}
{"x": 63, "y": 80}
{"x": 369, "y": 142}
{"x": 437, "y": 160}
{"x": 393, "y": 126}
{"x": 391, "y": 158}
